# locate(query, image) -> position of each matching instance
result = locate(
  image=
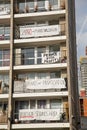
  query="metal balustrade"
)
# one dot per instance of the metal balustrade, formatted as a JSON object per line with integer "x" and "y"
{"x": 21, "y": 87}
{"x": 63, "y": 116}
{"x": 26, "y": 32}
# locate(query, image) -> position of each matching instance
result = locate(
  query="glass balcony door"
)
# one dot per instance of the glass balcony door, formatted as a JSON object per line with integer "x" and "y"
{"x": 28, "y": 56}
{"x": 54, "y": 4}
{"x": 4, "y": 57}
{"x": 4, "y": 32}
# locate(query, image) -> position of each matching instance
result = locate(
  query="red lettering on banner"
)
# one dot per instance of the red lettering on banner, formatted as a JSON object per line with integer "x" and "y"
{"x": 27, "y": 32}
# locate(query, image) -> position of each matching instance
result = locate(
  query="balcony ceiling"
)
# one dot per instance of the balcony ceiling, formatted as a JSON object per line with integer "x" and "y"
{"x": 55, "y": 15}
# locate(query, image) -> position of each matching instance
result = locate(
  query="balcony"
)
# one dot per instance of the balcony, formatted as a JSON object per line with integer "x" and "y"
{"x": 41, "y": 86}
{"x": 25, "y": 32}
{"x": 39, "y": 116}
{"x": 3, "y": 117}
{"x": 5, "y": 11}
{"x": 38, "y": 10}
{"x": 49, "y": 34}
{"x": 27, "y": 58}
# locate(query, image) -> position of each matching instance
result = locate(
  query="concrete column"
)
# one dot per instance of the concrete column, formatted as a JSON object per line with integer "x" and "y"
{"x": 11, "y": 69}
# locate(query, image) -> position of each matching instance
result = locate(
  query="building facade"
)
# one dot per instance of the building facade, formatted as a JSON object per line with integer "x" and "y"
{"x": 83, "y": 72}
{"x": 38, "y": 68}
{"x": 83, "y": 91}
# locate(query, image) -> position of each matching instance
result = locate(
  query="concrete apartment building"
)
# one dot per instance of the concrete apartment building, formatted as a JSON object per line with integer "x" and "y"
{"x": 83, "y": 91}
{"x": 38, "y": 67}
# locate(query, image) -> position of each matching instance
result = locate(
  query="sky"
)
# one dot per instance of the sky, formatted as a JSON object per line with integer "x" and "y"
{"x": 81, "y": 26}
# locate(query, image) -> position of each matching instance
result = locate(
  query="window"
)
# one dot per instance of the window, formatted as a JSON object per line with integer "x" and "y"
{"x": 4, "y": 32}
{"x": 3, "y": 106}
{"x": 40, "y": 50}
{"x": 55, "y": 104}
{"x": 54, "y": 4}
{"x": 41, "y": 75}
{"x": 4, "y": 57}
{"x": 41, "y": 23}
{"x": 24, "y": 104}
{"x": 54, "y": 22}
{"x": 4, "y": 79}
{"x": 30, "y": 5}
{"x": 26, "y": 76}
{"x": 21, "y": 105}
{"x": 41, "y": 5}
{"x": 30, "y": 76}
{"x": 32, "y": 104}
{"x": 28, "y": 55}
{"x": 41, "y": 104}
{"x": 4, "y": 7}
{"x": 55, "y": 75}
{"x": 54, "y": 48}
{"x": 21, "y": 4}
{"x": 7, "y": 33}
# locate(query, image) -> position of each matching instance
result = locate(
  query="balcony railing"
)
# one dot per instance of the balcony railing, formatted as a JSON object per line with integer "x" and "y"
{"x": 25, "y": 32}
{"x": 29, "y": 116}
{"x": 40, "y": 85}
{"x": 35, "y": 32}
{"x": 4, "y": 62}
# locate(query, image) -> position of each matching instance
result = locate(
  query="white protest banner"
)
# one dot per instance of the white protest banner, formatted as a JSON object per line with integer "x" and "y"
{"x": 40, "y": 114}
{"x": 52, "y": 57}
{"x": 51, "y": 30}
{"x": 56, "y": 83}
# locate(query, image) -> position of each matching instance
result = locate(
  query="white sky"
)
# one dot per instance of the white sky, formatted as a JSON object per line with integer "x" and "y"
{"x": 81, "y": 26}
